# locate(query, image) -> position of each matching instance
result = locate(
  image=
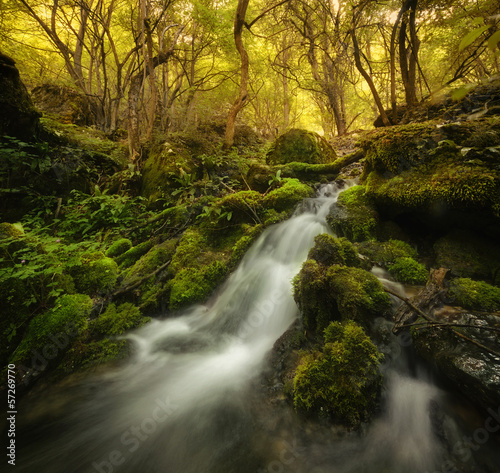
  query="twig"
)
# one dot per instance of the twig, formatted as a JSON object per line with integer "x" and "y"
{"x": 436, "y": 323}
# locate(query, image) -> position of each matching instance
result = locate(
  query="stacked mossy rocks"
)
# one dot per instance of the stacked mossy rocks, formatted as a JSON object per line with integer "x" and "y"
{"x": 337, "y": 376}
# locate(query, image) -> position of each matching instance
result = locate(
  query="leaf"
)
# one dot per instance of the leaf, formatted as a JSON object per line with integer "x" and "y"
{"x": 471, "y": 36}
{"x": 493, "y": 40}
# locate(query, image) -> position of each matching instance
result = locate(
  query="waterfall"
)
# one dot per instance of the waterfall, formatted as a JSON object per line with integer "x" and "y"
{"x": 183, "y": 403}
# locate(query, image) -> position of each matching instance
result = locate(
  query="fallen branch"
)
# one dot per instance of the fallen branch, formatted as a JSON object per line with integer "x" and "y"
{"x": 434, "y": 322}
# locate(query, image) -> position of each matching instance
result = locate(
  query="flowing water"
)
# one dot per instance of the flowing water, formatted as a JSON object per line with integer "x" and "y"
{"x": 183, "y": 404}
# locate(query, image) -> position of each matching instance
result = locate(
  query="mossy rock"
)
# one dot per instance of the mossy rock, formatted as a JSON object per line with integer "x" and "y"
{"x": 435, "y": 169}
{"x": 385, "y": 253}
{"x": 475, "y": 295}
{"x": 118, "y": 248}
{"x": 288, "y": 195}
{"x": 51, "y": 333}
{"x": 353, "y": 216}
{"x": 342, "y": 381}
{"x": 408, "y": 271}
{"x": 11, "y": 230}
{"x": 300, "y": 146}
{"x": 326, "y": 294}
{"x": 117, "y": 320}
{"x": 192, "y": 285}
{"x": 468, "y": 255}
{"x": 328, "y": 250}
{"x": 95, "y": 274}
{"x": 240, "y": 207}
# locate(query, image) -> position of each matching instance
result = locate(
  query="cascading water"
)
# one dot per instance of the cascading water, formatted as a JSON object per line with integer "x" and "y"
{"x": 182, "y": 404}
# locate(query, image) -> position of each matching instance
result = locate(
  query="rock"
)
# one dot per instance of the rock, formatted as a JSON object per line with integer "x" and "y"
{"x": 301, "y": 146}
{"x": 474, "y": 370}
{"x": 69, "y": 106}
{"x": 18, "y": 116}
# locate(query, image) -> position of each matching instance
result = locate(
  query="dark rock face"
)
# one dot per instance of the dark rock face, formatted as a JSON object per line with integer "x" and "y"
{"x": 466, "y": 355}
{"x": 300, "y": 146}
{"x": 68, "y": 105}
{"x": 18, "y": 116}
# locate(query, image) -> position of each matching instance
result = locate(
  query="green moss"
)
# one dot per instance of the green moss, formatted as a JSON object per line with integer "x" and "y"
{"x": 476, "y": 295}
{"x": 131, "y": 256}
{"x": 243, "y": 206}
{"x": 408, "y": 271}
{"x": 301, "y": 146}
{"x": 117, "y": 320}
{"x": 53, "y": 330}
{"x": 288, "y": 196}
{"x": 10, "y": 230}
{"x": 193, "y": 285}
{"x": 328, "y": 250}
{"x": 342, "y": 380}
{"x": 353, "y": 216}
{"x": 359, "y": 295}
{"x": 244, "y": 243}
{"x": 96, "y": 273}
{"x": 387, "y": 252}
{"x": 325, "y": 294}
{"x": 118, "y": 248}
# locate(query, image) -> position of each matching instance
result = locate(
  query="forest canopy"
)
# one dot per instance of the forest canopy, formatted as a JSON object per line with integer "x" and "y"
{"x": 157, "y": 66}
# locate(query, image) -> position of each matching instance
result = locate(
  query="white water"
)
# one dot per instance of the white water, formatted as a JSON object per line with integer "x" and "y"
{"x": 182, "y": 404}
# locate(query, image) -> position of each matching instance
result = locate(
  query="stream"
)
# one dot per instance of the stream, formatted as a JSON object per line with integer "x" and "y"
{"x": 189, "y": 399}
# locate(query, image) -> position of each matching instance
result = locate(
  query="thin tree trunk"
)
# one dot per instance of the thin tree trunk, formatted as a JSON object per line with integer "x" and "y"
{"x": 240, "y": 102}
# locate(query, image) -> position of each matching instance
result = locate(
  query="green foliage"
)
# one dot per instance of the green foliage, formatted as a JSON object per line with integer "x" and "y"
{"x": 117, "y": 320}
{"x": 68, "y": 317}
{"x": 86, "y": 215}
{"x": 475, "y": 295}
{"x": 408, "y": 271}
{"x": 118, "y": 248}
{"x": 239, "y": 207}
{"x": 342, "y": 380}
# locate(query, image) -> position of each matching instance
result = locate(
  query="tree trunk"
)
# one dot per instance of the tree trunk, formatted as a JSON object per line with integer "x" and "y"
{"x": 366, "y": 76}
{"x": 240, "y": 102}
{"x": 407, "y": 56}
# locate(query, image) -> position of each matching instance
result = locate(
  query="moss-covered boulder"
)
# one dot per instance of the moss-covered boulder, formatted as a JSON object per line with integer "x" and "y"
{"x": 117, "y": 320}
{"x": 130, "y": 256}
{"x": 239, "y": 207}
{"x": 353, "y": 216}
{"x": 444, "y": 172}
{"x": 475, "y": 295}
{"x": 328, "y": 250}
{"x": 95, "y": 273}
{"x": 326, "y": 294}
{"x": 385, "y": 253}
{"x": 50, "y": 334}
{"x": 300, "y": 146}
{"x": 408, "y": 271}
{"x": 18, "y": 116}
{"x": 288, "y": 195}
{"x": 342, "y": 381}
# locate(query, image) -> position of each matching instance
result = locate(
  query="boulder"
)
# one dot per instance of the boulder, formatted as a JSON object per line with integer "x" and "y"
{"x": 18, "y": 116}
{"x": 66, "y": 104}
{"x": 301, "y": 146}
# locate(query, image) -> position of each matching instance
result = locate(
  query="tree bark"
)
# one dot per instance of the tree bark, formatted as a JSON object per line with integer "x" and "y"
{"x": 407, "y": 56}
{"x": 240, "y": 102}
